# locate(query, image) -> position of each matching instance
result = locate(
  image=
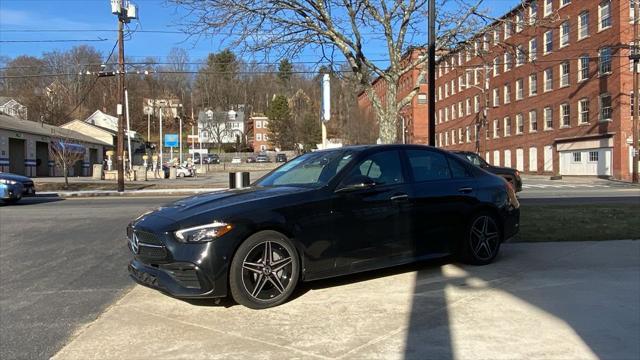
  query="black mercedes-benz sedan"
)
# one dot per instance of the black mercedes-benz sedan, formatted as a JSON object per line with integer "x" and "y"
{"x": 323, "y": 214}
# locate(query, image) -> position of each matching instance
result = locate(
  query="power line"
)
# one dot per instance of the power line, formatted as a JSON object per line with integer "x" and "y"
{"x": 53, "y": 41}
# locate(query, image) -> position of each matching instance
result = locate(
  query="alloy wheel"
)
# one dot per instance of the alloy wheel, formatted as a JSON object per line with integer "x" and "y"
{"x": 484, "y": 238}
{"x": 267, "y": 270}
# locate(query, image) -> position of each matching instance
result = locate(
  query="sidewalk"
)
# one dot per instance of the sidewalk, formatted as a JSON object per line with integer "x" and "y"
{"x": 575, "y": 300}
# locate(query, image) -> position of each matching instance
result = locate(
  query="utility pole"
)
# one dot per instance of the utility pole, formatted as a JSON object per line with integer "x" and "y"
{"x": 431, "y": 62}
{"x": 121, "y": 85}
{"x": 125, "y": 12}
{"x": 635, "y": 57}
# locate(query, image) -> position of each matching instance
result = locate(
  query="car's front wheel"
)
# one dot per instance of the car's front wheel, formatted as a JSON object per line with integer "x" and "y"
{"x": 264, "y": 271}
{"x": 482, "y": 239}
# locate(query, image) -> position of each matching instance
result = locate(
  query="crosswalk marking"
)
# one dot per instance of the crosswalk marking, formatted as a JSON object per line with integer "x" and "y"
{"x": 562, "y": 186}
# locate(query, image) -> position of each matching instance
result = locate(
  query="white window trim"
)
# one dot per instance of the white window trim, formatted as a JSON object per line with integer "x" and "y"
{"x": 544, "y": 45}
{"x": 600, "y": 28}
{"x": 562, "y": 35}
{"x": 562, "y": 116}
{"x": 545, "y": 118}
{"x": 582, "y": 111}
{"x": 581, "y": 26}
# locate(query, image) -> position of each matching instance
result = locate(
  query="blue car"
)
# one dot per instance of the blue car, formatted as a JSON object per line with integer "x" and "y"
{"x": 14, "y": 187}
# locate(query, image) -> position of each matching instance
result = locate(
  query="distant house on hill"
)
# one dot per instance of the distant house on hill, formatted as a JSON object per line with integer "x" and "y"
{"x": 12, "y": 107}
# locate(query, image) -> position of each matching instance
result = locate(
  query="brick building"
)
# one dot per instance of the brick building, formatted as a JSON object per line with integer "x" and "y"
{"x": 557, "y": 93}
{"x": 260, "y": 139}
{"x": 413, "y": 115}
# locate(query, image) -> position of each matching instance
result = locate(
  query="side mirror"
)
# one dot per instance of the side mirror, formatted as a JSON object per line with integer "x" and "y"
{"x": 357, "y": 182}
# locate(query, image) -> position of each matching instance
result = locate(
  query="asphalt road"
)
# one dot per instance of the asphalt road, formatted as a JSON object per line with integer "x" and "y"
{"x": 62, "y": 263}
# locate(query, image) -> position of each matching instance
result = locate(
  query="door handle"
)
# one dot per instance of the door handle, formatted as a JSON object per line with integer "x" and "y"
{"x": 465, "y": 190}
{"x": 399, "y": 197}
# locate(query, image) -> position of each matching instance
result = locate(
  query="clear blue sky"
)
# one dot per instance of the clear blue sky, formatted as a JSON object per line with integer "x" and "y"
{"x": 93, "y": 15}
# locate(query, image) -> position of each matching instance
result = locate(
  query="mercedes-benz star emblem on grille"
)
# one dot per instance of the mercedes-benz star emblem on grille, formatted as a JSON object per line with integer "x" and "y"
{"x": 134, "y": 243}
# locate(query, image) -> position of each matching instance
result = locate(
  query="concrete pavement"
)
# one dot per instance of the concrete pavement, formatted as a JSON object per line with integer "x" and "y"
{"x": 538, "y": 301}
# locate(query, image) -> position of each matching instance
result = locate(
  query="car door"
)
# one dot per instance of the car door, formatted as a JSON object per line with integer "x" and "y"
{"x": 442, "y": 195}
{"x": 371, "y": 222}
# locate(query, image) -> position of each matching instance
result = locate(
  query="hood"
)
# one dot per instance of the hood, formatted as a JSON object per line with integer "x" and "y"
{"x": 223, "y": 201}
{"x": 15, "y": 177}
{"x": 503, "y": 170}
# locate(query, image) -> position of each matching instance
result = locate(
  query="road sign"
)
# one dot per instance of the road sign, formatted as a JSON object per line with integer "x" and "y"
{"x": 171, "y": 140}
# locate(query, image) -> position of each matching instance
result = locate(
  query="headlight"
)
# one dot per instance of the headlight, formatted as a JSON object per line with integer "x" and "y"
{"x": 8, "y": 182}
{"x": 203, "y": 233}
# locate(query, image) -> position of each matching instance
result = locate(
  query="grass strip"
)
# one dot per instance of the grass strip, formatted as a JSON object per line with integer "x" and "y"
{"x": 592, "y": 222}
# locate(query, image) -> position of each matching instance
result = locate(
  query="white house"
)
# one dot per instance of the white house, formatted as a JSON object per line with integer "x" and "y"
{"x": 226, "y": 127}
{"x": 11, "y": 107}
{"x": 98, "y": 118}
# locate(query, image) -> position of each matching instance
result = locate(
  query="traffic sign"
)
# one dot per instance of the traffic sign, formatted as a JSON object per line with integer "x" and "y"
{"x": 171, "y": 140}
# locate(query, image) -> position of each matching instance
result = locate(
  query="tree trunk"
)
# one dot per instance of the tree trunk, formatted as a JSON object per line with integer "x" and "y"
{"x": 389, "y": 116}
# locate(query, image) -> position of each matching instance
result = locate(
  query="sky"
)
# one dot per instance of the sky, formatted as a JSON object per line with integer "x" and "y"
{"x": 88, "y": 20}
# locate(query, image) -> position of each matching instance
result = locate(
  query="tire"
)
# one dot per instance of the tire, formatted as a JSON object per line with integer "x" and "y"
{"x": 481, "y": 242}
{"x": 257, "y": 286}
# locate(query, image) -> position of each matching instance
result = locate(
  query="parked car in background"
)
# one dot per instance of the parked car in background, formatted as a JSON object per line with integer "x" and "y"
{"x": 510, "y": 174}
{"x": 236, "y": 160}
{"x": 262, "y": 158}
{"x": 281, "y": 157}
{"x": 212, "y": 159}
{"x": 251, "y": 159}
{"x": 184, "y": 171}
{"x": 389, "y": 205}
{"x": 17, "y": 187}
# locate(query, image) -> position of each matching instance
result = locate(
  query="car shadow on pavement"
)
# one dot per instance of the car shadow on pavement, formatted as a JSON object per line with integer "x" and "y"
{"x": 561, "y": 307}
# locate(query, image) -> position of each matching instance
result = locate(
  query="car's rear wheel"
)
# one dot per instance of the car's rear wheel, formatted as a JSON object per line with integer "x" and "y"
{"x": 482, "y": 239}
{"x": 264, "y": 271}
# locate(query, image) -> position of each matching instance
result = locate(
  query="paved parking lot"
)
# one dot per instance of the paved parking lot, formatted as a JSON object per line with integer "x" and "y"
{"x": 546, "y": 301}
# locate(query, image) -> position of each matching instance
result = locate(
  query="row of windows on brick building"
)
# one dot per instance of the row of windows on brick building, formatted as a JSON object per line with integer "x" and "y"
{"x": 548, "y": 122}
{"x": 605, "y": 21}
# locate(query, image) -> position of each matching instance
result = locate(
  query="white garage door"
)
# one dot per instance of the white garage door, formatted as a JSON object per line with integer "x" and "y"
{"x": 507, "y": 158}
{"x": 533, "y": 159}
{"x": 548, "y": 158}
{"x": 520, "y": 159}
{"x": 586, "y": 162}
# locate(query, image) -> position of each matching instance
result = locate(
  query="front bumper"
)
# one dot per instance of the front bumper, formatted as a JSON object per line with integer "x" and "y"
{"x": 178, "y": 269}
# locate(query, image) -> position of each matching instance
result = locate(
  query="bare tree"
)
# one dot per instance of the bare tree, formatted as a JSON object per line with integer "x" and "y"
{"x": 214, "y": 127}
{"x": 288, "y": 27}
{"x": 65, "y": 153}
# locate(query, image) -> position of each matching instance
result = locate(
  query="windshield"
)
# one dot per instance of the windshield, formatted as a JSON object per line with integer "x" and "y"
{"x": 311, "y": 169}
{"x": 472, "y": 158}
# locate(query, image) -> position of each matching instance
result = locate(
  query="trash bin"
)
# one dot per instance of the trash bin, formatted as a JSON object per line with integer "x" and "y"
{"x": 172, "y": 172}
{"x": 239, "y": 180}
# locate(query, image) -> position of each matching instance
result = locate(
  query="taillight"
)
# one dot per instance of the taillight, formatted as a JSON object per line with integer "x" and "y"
{"x": 511, "y": 193}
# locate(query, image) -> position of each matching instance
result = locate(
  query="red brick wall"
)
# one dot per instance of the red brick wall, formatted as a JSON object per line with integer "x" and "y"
{"x": 617, "y": 84}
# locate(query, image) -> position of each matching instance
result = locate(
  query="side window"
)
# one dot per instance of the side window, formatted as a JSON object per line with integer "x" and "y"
{"x": 428, "y": 165}
{"x": 458, "y": 170}
{"x": 383, "y": 167}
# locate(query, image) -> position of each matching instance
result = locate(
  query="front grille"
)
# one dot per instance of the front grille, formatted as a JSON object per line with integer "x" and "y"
{"x": 155, "y": 253}
{"x": 148, "y": 238}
